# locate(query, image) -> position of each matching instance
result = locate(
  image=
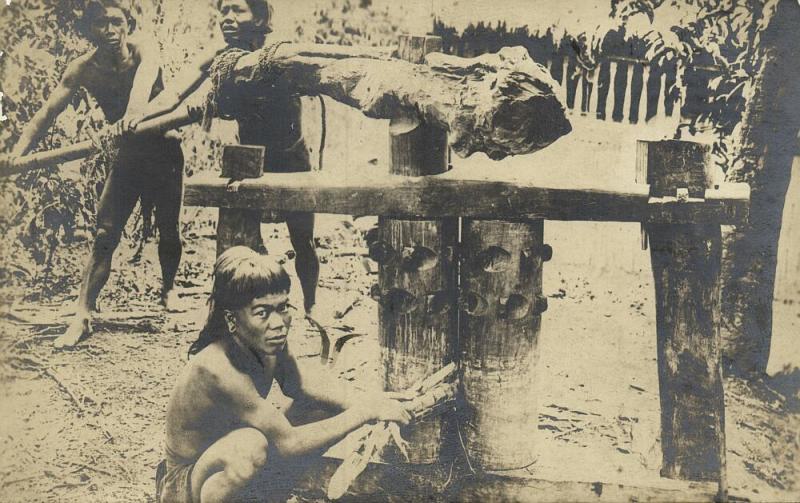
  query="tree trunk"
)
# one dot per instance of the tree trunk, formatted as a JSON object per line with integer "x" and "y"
{"x": 500, "y": 104}
{"x": 767, "y": 142}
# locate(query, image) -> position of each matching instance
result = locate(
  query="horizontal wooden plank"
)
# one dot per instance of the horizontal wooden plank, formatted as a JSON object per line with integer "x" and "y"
{"x": 449, "y": 195}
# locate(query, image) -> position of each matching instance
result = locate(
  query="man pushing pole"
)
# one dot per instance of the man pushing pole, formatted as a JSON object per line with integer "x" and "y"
{"x": 123, "y": 75}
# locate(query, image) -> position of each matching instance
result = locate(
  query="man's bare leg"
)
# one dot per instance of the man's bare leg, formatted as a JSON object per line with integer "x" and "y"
{"x": 95, "y": 276}
{"x": 115, "y": 206}
{"x": 229, "y": 465}
{"x": 168, "y": 210}
{"x": 301, "y": 233}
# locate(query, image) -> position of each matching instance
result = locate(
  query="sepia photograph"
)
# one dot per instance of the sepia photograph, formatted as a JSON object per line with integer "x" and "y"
{"x": 376, "y": 251}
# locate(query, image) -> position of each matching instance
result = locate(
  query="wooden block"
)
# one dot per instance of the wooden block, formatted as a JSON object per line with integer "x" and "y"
{"x": 240, "y": 226}
{"x": 667, "y": 165}
{"x": 242, "y": 161}
{"x": 414, "y": 48}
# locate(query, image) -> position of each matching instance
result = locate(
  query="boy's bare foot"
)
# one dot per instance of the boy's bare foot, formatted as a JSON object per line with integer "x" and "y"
{"x": 169, "y": 300}
{"x": 79, "y": 329}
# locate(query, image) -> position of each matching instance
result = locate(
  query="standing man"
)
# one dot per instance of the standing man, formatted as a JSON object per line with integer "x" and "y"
{"x": 273, "y": 121}
{"x": 122, "y": 75}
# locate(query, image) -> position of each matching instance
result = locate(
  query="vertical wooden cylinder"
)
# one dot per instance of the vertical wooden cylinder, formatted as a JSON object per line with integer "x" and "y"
{"x": 500, "y": 317}
{"x": 240, "y": 226}
{"x": 417, "y": 279}
{"x": 686, "y": 262}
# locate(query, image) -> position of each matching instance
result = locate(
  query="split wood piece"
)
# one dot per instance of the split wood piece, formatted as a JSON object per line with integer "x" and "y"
{"x": 417, "y": 338}
{"x": 452, "y": 194}
{"x": 428, "y": 398}
{"x": 500, "y": 319}
{"x": 240, "y": 226}
{"x": 500, "y": 104}
{"x": 176, "y": 119}
{"x": 686, "y": 260}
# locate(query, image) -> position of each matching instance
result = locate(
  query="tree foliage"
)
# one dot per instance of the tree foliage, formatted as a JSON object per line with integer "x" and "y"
{"x": 723, "y": 33}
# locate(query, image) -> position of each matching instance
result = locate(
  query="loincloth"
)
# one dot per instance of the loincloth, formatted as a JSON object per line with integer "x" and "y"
{"x": 174, "y": 482}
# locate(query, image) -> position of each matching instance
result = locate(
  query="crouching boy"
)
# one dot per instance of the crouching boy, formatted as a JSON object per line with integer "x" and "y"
{"x": 222, "y": 431}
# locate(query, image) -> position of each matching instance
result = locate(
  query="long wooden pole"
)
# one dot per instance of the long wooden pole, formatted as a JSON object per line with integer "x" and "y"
{"x": 178, "y": 118}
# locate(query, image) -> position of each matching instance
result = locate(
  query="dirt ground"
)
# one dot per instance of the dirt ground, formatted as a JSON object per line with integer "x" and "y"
{"x": 87, "y": 425}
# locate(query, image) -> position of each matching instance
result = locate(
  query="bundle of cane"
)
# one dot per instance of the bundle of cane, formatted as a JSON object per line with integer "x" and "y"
{"x": 427, "y": 398}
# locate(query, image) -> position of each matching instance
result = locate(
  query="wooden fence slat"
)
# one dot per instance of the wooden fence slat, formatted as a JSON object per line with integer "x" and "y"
{"x": 626, "y": 104}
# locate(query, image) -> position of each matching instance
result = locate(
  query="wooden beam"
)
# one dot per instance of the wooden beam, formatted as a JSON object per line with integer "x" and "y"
{"x": 363, "y": 192}
{"x": 382, "y": 482}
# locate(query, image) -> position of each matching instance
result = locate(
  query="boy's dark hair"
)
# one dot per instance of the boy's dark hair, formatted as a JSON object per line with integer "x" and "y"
{"x": 96, "y": 8}
{"x": 240, "y": 275}
{"x": 262, "y": 11}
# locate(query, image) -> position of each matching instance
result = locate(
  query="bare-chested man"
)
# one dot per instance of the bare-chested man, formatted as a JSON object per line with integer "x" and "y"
{"x": 221, "y": 428}
{"x": 122, "y": 75}
{"x": 273, "y": 121}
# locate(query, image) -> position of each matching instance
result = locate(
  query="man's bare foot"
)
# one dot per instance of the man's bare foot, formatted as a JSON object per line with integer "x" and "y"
{"x": 79, "y": 329}
{"x": 169, "y": 300}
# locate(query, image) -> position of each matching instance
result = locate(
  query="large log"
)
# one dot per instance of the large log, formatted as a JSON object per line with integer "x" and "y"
{"x": 500, "y": 104}
{"x": 501, "y": 308}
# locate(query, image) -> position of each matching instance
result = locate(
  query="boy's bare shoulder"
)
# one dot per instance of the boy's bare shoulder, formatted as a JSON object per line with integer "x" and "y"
{"x": 78, "y": 68}
{"x": 145, "y": 48}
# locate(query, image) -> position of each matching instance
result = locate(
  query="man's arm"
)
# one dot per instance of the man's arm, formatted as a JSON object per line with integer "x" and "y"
{"x": 54, "y": 105}
{"x": 146, "y": 75}
{"x": 182, "y": 86}
{"x": 237, "y": 392}
{"x": 329, "y": 392}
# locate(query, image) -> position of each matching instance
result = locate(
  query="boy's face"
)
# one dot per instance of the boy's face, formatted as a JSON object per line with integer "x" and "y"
{"x": 110, "y": 28}
{"x": 263, "y": 324}
{"x": 237, "y": 21}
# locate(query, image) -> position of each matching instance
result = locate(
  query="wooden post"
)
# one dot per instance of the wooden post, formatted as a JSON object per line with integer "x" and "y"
{"x": 501, "y": 306}
{"x": 626, "y": 103}
{"x": 237, "y": 226}
{"x": 686, "y": 266}
{"x": 417, "y": 281}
